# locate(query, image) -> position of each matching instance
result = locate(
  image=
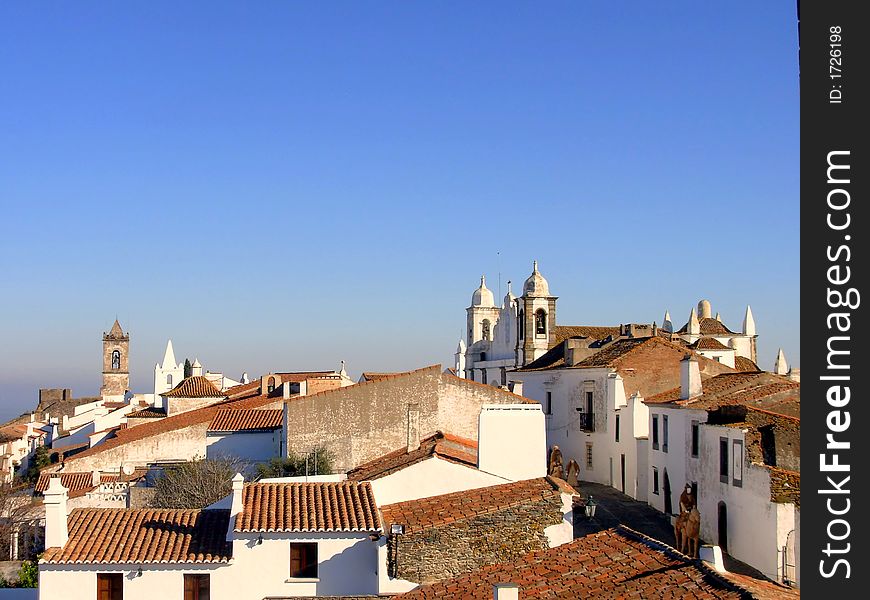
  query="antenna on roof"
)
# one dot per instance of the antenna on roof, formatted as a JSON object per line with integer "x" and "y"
{"x": 498, "y": 266}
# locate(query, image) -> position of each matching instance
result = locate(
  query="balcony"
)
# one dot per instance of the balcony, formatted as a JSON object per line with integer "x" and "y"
{"x": 586, "y": 421}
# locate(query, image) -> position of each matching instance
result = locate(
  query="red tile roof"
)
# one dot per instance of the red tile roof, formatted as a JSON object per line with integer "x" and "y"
{"x": 761, "y": 390}
{"x": 446, "y": 446}
{"x": 434, "y": 511}
{"x": 320, "y": 506}
{"x": 563, "y": 332}
{"x": 246, "y": 420}
{"x": 175, "y": 422}
{"x": 194, "y": 387}
{"x": 743, "y": 364}
{"x": 125, "y": 536}
{"x": 709, "y": 326}
{"x": 148, "y": 413}
{"x": 614, "y": 563}
{"x": 371, "y": 376}
{"x": 79, "y": 483}
{"x": 708, "y": 343}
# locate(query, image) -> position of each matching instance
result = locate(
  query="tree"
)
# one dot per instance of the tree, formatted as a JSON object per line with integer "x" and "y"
{"x": 195, "y": 484}
{"x": 41, "y": 459}
{"x": 188, "y": 368}
{"x": 28, "y": 574}
{"x": 319, "y": 461}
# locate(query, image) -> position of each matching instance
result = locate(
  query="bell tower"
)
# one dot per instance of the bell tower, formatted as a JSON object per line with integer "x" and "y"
{"x": 116, "y": 373}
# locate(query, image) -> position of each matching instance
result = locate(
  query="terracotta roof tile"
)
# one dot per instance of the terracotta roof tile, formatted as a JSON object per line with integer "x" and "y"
{"x": 194, "y": 387}
{"x": 79, "y": 483}
{"x": 563, "y": 332}
{"x": 123, "y": 536}
{"x": 320, "y": 506}
{"x": 424, "y": 513}
{"x": 615, "y": 563}
{"x": 708, "y": 343}
{"x": 761, "y": 390}
{"x": 371, "y": 376}
{"x": 246, "y": 420}
{"x": 743, "y": 364}
{"x": 446, "y": 446}
{"x": 709, "y": 326}
{"x": 174, "y": 422}
{"x": 148, "y": 413}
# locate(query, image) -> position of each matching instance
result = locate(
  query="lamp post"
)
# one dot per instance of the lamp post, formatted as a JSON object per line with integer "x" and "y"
{"x": 590, "y": 508}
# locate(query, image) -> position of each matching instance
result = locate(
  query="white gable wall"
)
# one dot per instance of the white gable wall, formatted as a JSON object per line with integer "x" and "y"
{"x": 430, "y": 477}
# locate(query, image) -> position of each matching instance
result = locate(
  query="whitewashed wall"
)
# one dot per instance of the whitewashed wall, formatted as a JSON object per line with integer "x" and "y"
{"x": 431, "y": 477}
{"x": 253, "y": 447}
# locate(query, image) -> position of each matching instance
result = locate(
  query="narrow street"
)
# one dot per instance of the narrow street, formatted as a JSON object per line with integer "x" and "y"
{"x": 615, "y": 508}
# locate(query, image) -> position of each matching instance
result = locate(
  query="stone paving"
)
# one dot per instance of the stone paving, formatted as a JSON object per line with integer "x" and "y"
{"x": 614, "y": 508}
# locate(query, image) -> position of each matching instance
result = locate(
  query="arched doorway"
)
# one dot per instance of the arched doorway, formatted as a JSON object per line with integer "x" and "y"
{"x": 723, "y": 527}
{"x": 669, "y": 509}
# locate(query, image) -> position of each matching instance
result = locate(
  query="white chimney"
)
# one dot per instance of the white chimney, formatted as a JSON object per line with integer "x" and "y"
{"x": 95, "y": 478}
{"x": 237, "y": 505}
{"x": 505, "y": 591}
{"x": 285, "y": 388}
{"x": 196, "y": 368}
{"x": 56, "y": 533}
{"x": 748, "y": 322}
{"x": 712, "y": 555}
{"x": 690, "y": 378}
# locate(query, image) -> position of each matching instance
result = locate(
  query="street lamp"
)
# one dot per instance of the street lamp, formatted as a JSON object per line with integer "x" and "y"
{"x": 590, "y": 507}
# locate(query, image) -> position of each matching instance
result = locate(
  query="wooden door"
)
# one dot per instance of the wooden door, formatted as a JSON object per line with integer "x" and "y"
{"x": 110, "y": 586}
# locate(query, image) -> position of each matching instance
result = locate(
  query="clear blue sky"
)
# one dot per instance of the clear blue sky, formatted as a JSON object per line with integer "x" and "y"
{"x": 282, "y": 185}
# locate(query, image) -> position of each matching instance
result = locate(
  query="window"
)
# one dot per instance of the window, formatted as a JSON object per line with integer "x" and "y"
{"x": 717, "y": 358}
{"x": 110, "y": 586}
{"x": 197, "y": 587}
{"x": 116, "y": 360}
{"x": 723, "y": 459}
{"x": 548, "y": 405}
{"x": 503, "y": 376}
{"x": 270, "y": 385}
{"x": 484, "y": 330}
{"x": 696, "y": 433}
{"x": 540, "y": 322}
{"x": 169, "y": 380}
{"x": 521, "y": 324}
{"x": 664, "y": 433}
{"x": 616, "y": 429}
{"x": 588, "y": 455}
{"x": 483, "y": 376}
{"x": 303, "y": 560}
{"x": 655, "y": 432}
{"x": 737, "y": 463}
{"x": 655, "y": 481}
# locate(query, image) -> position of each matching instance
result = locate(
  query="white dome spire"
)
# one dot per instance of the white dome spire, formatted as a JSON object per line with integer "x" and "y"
{"x": 483, "y": 296}
{"x": 536, "y": 285}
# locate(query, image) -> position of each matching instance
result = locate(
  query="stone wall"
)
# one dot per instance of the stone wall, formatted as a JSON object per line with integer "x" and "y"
{"x": 364, "y": 421}
{"x": 446, "y": 551}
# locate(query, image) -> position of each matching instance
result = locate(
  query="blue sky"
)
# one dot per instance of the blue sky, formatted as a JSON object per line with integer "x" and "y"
{"x": 283, "y": 185}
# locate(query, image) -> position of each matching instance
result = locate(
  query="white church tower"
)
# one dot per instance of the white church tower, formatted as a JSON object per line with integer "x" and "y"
{"x": 169, "y": 374}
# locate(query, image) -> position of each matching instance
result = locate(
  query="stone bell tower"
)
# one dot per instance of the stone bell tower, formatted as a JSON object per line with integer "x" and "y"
{"x": 116, "y": 373}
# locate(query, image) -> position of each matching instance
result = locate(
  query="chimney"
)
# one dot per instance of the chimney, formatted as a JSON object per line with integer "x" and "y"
{"x": 505, "y": 591}
{"x": 516, "y": 387}
{"x": 56, "y": 533}
{"x": 285, "y": 387}
{"x": 712, "y": 555}
{"x": 576, "y": 349}
{"x": 690, "y": 378}
{"x": 95, "y": 478}
{"x": 237, "y": 503}
{"x": 413, "y": 427}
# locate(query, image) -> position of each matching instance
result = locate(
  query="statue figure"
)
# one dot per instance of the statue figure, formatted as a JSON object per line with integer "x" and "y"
{"x": 572, "y": 474}
{"x": 687, "y": 499}
{"x": 687, "y": 529}
{"x": 555, "y": 468}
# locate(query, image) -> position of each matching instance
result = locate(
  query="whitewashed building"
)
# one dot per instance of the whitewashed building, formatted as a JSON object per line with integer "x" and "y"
{"x": 735, "y": 439}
